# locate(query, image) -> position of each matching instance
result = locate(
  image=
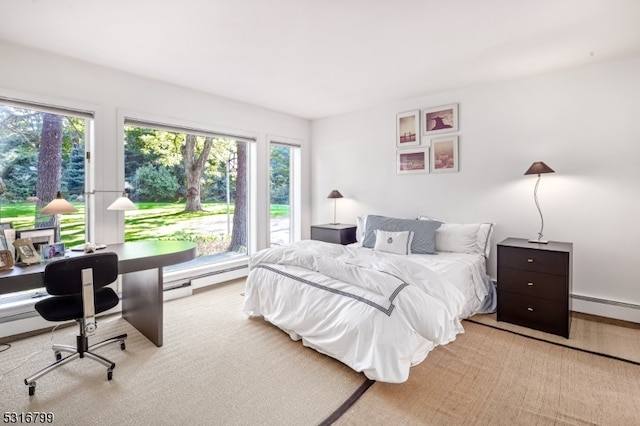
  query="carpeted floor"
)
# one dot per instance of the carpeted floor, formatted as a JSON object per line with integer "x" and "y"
{"x": 619, "y": 339}
{"x": 494, "y": 377}
{"x": 218, "y": 367}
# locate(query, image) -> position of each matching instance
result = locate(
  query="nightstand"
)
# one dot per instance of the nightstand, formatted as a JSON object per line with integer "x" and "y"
{"x": 534, "y": 284}
{"x": 339, "y": 233}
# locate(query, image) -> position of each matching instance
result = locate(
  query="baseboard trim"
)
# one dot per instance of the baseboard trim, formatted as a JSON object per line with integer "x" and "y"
{"x": 605, "y": 308}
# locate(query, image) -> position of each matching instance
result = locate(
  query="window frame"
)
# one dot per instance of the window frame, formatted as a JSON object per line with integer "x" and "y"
{"x": 295, "y": 186}
{"x": 130, "y": 117}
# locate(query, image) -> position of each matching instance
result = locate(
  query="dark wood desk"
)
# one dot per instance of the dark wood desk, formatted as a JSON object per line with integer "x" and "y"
{"x": 140, "y": 264}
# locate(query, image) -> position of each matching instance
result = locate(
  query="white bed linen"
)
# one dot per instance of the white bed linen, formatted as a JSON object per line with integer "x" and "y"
{"x": 377, "y": 312}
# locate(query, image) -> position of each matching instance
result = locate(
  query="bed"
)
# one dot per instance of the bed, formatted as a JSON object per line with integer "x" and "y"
{"x": 379, "y": 305}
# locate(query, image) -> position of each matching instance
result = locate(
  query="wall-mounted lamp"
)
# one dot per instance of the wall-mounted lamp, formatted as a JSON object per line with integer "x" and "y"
{"x": 58, "y": 206}
{"x": 538, "y": 168}
{"x": 335, "y": 194}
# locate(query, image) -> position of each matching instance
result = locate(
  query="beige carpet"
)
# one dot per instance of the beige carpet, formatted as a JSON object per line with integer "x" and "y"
{"x": 216, "y": 367}
{"x": 607, "y": 336}
{"x": 493, "y": 377}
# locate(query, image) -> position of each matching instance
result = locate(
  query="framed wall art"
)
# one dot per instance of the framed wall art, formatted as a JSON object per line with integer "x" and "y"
{"x": 408, "y": 129}
{"x": 444, "y": 154}
{"x": 442, "y": 119}
{"x": 412, "y": 161}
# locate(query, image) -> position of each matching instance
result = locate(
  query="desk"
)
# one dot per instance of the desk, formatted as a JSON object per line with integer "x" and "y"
{"x": 140, "y": 264}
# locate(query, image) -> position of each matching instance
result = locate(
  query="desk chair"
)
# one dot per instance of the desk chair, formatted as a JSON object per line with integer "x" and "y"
{"x": 78, "y": 292}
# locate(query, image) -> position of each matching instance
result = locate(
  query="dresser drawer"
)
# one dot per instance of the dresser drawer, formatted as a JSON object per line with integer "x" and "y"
{"x": 533, "y": 284}
{"x": 550, "y": 262}
{"x": 540, "y": 314}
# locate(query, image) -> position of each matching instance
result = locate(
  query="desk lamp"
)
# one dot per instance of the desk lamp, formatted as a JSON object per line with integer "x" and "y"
{"x": 122, "y": 203}
{"x": 58, "y": 206}
{"x": 538, "y": 168}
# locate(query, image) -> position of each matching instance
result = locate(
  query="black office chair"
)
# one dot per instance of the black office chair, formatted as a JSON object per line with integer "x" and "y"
{"x": 78, "y": 292}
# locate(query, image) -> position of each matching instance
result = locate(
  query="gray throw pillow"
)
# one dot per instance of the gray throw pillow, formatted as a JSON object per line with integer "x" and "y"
{"x": 424, "y": 232}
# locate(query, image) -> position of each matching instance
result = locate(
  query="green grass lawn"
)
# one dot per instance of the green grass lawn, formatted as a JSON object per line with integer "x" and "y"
{"x": 152, "y": 221}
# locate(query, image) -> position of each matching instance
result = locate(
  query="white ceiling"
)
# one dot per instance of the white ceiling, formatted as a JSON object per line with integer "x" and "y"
{"x": 317, "y": 58}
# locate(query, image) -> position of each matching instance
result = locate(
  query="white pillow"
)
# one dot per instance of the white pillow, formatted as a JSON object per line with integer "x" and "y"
{"x": 361, "y": 227}
{"x": 393, "y": 242}
{"x": 457, "y": 238}
{"x": 483, "y": 238}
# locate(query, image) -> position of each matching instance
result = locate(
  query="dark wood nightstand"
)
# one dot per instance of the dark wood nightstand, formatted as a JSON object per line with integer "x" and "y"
{"x": 534, "y": 284}
{"x": 339, "y": 233}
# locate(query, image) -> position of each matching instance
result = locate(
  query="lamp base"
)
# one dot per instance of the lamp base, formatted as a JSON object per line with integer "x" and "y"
{"x": 334, "y": 223}
{"x": 539, "y": 241}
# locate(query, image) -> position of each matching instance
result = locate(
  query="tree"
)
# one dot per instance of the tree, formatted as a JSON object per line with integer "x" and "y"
{"x": 73, "y": 174}
{"x": 49, "y": 167}
{"x": 279, "y": 171}
{"x": 239, "y": 232}
{"x": 193, "y": 167}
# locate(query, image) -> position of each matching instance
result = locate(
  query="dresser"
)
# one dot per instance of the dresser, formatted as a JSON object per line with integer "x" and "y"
{"x": 339, "y": 233}
{"x": 534, "y": 284}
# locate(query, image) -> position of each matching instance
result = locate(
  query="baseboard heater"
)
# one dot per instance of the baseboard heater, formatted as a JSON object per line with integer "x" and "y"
{"x": 606, "y": 302}
{"x": 219, "y": 276}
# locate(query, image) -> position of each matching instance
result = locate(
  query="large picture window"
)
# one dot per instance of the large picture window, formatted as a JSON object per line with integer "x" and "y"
{"x": 42, "y": 151}
{"x": 188, "y": 185}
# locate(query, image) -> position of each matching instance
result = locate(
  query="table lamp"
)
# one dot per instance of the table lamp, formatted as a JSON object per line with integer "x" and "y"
{"x": 538, "y": 168}
{"x": 58, "y": 206}
{"x": 335, "y": 194}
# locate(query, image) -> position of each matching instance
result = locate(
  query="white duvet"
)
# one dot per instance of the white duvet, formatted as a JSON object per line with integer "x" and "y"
{"x": 378, "y": 313}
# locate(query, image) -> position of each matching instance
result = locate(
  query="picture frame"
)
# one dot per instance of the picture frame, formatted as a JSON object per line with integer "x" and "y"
{"x": 6, "y": 260}
{"x": 442, "y": 119}
{"x": 38, "y": 236}
{"x": 444, "y": 154}
{"x": 410, "y": 161}
{"x": 26, "y": 251}
{"x": 51, "y": 251}
{"x": 408, "y": 129}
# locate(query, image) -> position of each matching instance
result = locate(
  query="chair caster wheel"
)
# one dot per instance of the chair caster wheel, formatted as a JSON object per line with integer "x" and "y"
{"x": 123, "y": 346}
{"x": 109, "y": 375}
{"x": 32, "y": 389}
{"x": 58, "y": 356}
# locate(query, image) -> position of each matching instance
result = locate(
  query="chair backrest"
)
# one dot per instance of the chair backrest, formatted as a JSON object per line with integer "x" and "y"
{"x": 64, "y": 276}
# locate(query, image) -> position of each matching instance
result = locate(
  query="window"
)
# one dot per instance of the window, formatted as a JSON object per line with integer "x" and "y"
{"x": 284, "y": 194}
{"x": 188, "y": 184}
{"x": 42, "y": 151}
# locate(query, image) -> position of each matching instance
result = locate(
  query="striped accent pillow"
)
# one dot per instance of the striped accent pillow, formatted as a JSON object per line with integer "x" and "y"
{"x": 424, "y": 232}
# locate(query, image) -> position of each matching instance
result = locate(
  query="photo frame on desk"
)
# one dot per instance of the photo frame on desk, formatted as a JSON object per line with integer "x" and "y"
{"x": 6, "y": 259}
{"x": 26, "y": 251}
{"x": 38, "y": 236}
{"x": 8, "y": 235}
{"x": 51, "y": 251}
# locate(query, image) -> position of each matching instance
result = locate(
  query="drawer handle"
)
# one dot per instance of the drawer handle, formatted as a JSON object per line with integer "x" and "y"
{"x": 530, "y": 309}
{"x": 530, "y": 260}
{"x": 530, "y": 284}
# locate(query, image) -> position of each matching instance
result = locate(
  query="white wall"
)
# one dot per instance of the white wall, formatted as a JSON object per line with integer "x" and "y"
{"x": 42, "y": 77}
{"x": 584, "y": 123}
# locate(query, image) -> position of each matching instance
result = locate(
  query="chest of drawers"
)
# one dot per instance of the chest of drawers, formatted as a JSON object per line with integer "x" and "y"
{"x": 534, "y": 285}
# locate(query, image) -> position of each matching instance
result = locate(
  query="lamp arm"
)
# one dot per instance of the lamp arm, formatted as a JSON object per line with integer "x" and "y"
{"x": 535, "y": 197}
